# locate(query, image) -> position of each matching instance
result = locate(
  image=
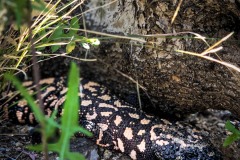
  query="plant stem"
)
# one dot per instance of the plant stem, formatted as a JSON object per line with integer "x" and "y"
{"x": 36, "y": 78}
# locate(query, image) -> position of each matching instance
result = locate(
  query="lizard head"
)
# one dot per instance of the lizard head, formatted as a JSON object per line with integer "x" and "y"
{"x": 174, "y": 150}
{"x": 171, "y": 143}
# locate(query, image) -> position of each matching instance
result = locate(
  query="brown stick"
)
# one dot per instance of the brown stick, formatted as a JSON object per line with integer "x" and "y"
{"x": 36, "y": 79}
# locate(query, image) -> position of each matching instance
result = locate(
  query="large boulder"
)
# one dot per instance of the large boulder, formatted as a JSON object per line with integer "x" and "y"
{"x": 173, "y": 81}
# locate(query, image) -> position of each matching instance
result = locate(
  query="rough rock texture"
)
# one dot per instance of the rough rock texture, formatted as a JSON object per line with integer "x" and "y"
{"x": 213, "y": 122}
{"x": 175, "y": 82}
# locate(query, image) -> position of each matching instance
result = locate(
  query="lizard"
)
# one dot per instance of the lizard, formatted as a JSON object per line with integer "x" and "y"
{"x": 116, "y": 124}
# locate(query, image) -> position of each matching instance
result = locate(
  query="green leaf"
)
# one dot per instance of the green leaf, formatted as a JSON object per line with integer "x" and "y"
{"x": 230, "y": 139}
{"x": 234, "y": 136}
{"x": 52, "y": 125}
{"x": 74, "y": 23}
{"x": 38, "y": 147}
{"x": 69, "y": 119}
{"x": 44, "y": 40}
{"x": 36, "y": 109}
{"x": 70, "y": 47}
{"x": 55, "y": 48}
{"x": 56, "y": 36}
{"x": 231, "y": 127}
{"x": 71, "y": 106}
{"x": 20, "y": 8}
{"x": 82, "y": 130}
{"x": 74, "y": 156}
{"x": 57, "y": 33}
{"x": 42, "y": 33}
{"x": 74, "y": 26}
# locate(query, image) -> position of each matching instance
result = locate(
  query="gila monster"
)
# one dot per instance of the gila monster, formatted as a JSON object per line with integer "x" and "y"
{"x": 116, "y": 124}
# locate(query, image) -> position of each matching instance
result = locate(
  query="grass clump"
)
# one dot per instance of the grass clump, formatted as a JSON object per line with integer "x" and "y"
{"x": 32, "y": 28}
{"x": 46, "y": 27}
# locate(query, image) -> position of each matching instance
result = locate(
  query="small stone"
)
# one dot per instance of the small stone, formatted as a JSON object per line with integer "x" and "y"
{"x": 107, "y": 154}
{"x": 18, "y": 144}
{"x": 222, "y": 125}
{"x": 93, "y": 155}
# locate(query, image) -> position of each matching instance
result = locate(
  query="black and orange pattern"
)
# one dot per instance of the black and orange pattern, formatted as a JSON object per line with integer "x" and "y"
{"x": 115, "y": 123}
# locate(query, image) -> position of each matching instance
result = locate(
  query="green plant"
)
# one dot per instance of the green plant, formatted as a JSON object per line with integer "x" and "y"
{"x": 53, "y": 27}
{"x": 69, "y": 120}
{"x": 234, "y": 136}
{"x": 65, "y": 33}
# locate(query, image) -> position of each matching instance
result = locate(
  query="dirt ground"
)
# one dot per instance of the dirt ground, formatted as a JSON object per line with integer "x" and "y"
{"x": 15, "y": 138}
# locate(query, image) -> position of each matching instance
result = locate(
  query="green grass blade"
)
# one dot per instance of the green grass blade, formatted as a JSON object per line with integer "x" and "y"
{"x": 230, "y": 139}
{"x": 82, "y": 130}
{"x": 36, "y": 109}
{"x": 71, "y": 106}
{"x": 234, "y": 136}
{"x": 231, "y": 127}
{"x": 75, "y": 156}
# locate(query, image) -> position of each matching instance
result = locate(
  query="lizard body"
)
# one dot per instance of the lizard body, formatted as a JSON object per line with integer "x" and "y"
{"x": 115, "y": 123}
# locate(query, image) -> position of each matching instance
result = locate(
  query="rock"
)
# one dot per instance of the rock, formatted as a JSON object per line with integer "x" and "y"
{"x": 174, "y": 82}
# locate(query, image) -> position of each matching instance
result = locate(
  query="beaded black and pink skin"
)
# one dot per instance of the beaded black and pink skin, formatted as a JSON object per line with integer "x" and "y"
{"x": 116, "y": 124}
